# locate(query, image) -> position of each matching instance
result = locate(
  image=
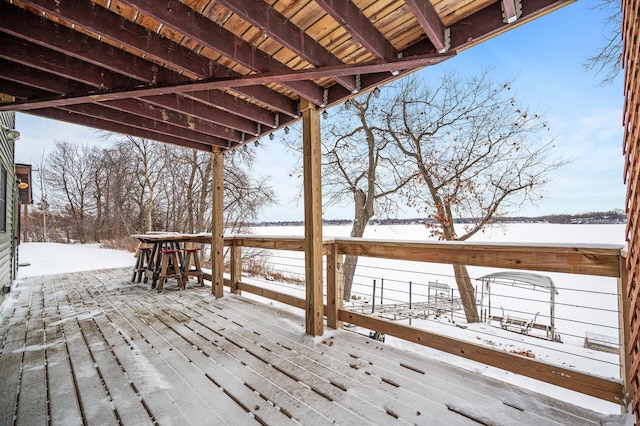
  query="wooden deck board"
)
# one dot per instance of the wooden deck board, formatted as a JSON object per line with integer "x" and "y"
{"x": 335, "y": 380}
{"x": 105, "y": 351}
{"x": 432, "y": 390}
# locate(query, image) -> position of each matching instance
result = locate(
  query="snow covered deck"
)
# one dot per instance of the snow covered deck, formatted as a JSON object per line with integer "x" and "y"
{"x": 89, "y": 347}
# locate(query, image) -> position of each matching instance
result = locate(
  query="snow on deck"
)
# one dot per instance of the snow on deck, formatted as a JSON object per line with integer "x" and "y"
{"x": 91, "y": 348}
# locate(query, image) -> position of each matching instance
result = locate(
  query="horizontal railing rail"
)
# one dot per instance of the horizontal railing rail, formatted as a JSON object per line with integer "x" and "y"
{"x": 594, "y": 260}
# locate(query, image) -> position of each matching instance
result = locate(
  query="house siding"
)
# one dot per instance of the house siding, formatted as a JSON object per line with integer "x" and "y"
{"x": 8, "y": 261}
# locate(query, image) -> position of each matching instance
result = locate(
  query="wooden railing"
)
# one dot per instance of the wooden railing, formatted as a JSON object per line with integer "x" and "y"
{"x": 602, "y": 260}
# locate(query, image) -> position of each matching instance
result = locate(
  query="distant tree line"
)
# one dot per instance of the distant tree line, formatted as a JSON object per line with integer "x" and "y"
{"x": 611, "y": 216}
{"x": 89, "y": 193}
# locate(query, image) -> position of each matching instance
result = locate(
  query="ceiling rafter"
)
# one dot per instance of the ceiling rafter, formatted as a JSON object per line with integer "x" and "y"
{"x": 164, "y": 115}
{"x": 35, "y": 78}
{"x": 486, "y": 23}
{"x": 49, "y": 34}
{"x": 366, "y": 68}
{"x": 115, "y": 115}
{"x": 182, "y": 18}
{"x": 110, "y": 126}
{"x": 287, "y": 34}
{"x": 353, "y": 20}
{"x": 19, "y": 90}
{"x": 105, "y": 23}
{"x": 431, "y": 24}
{"x": 130, "y": 106}
{"x": 202, "y": 76}
{"x": 80, "y": 71}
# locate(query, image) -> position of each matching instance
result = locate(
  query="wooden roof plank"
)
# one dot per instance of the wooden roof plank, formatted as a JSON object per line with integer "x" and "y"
{"x": 354, "y": 21}
{"x": 195, "y": 26}
{"x": 430, "y": 22}
{"x": 112, "y": 26}
{"x": 286, "y": 33}
{"x": 74, "y": 118}
{"x": 111, "y": 113}
{"x": 373, "y": 67}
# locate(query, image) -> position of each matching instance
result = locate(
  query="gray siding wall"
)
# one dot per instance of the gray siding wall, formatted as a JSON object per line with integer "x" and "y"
{"x": 8, "y": 265}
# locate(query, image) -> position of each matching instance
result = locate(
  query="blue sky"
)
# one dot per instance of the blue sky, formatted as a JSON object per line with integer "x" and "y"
{"x": 545, "y": 57}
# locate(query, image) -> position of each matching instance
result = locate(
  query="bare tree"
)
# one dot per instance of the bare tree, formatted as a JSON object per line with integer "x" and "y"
{"x": 478, "y": 154}
{"x": 70, "y": 168}
{"x": 244, "y": 195}
{"x": 149, "y": 171}
{"x": 360, "y": 166}
{"x": 608, "y": 61}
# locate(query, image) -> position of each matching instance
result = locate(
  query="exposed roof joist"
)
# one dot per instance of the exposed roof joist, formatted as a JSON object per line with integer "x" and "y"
{"x": 431, "y": 23}
{"x": 182, "y": 18}
{"x": 204, "y": 73}
{"x": 248, "y": 80}
{"x": 353, "y": 20}
{"x": 286, "y": 33}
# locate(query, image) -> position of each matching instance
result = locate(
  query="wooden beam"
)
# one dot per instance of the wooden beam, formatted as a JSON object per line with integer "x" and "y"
{"x": 162, "y": 111}
{"x": 43, "y": 59}
{"x": 230, "y": 104}
{"x": 51, "y": 84}
{"x": 576, "y": 259}
{"x": 347, "y": 69}
{"x": 191, "y": 24}
{"x": 311, "y": 148}
{"x": 43, "y": 32}
{"x": 486, "y": 23}
{"x": 287, "y": 299}
{"x": 136, "y": 118}
{"x": 16, "y": 91}
{"x": 235, "y": 261}
{"x": 431, "y": 24}
{"x": 21, "y": 23}
{"x": 511, "y": 10}
{"x": 101, "y": 21}
{"x": 609, "y": 390}
{"x": 217, "y": 238}
{"x": 110, "y": 126}
{"x": 624, "y": 331}
{"x": 352, "y": 19}
{"x": 281, "y": 29}
{"x": 334, "y": 286}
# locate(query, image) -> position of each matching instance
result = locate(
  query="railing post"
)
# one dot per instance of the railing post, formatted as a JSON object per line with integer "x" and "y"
{"x": 624, "y": 309}
{"x": 312, "y": 168}
{"x": 217, "y": 239}
{"x": 334, "y": 286}
{"x": 236, "y": 267}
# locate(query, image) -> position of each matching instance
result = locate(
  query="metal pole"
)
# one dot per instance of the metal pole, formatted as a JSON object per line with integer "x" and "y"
{"x": 452, "y": 305}
{"x": 373, "y": 302}
{"x": 410, "y": 313}
{"x": 381, "y": 290}
{"x": 409, "y": 295}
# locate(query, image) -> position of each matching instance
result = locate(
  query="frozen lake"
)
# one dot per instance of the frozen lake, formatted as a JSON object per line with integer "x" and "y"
{"x": 583, "y": 304}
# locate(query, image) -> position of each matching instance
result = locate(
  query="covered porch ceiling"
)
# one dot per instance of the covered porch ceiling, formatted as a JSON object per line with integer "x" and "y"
{"x": 222, "y": 73}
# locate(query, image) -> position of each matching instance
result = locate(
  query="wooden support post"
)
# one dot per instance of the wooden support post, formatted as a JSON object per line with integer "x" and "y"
{"x": 25, "y": 218}
{"x": 236, "y": 267}
{"x": 312, "y": 217}
{"x": 217, "y": 254}
{"x": 334, "y": 286}
{"x": 624, "y": 311}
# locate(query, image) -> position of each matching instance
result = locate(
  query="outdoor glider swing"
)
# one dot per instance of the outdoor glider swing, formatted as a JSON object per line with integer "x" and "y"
{"x": 525, "y": 280}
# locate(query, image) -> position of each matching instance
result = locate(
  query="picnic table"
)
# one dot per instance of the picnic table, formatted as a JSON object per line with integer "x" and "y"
{"x": 165, "y": 240}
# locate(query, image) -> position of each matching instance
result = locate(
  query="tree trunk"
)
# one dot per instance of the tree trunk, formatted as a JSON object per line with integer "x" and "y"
{"x": 465, "y": 288}
{"x": 467, "y": 293}
{"x": 362, "y": 216}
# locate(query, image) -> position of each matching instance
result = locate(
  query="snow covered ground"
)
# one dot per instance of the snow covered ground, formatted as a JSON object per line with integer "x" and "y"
{"x": 53, "y": 258}
{"x": 49, "y": 258}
